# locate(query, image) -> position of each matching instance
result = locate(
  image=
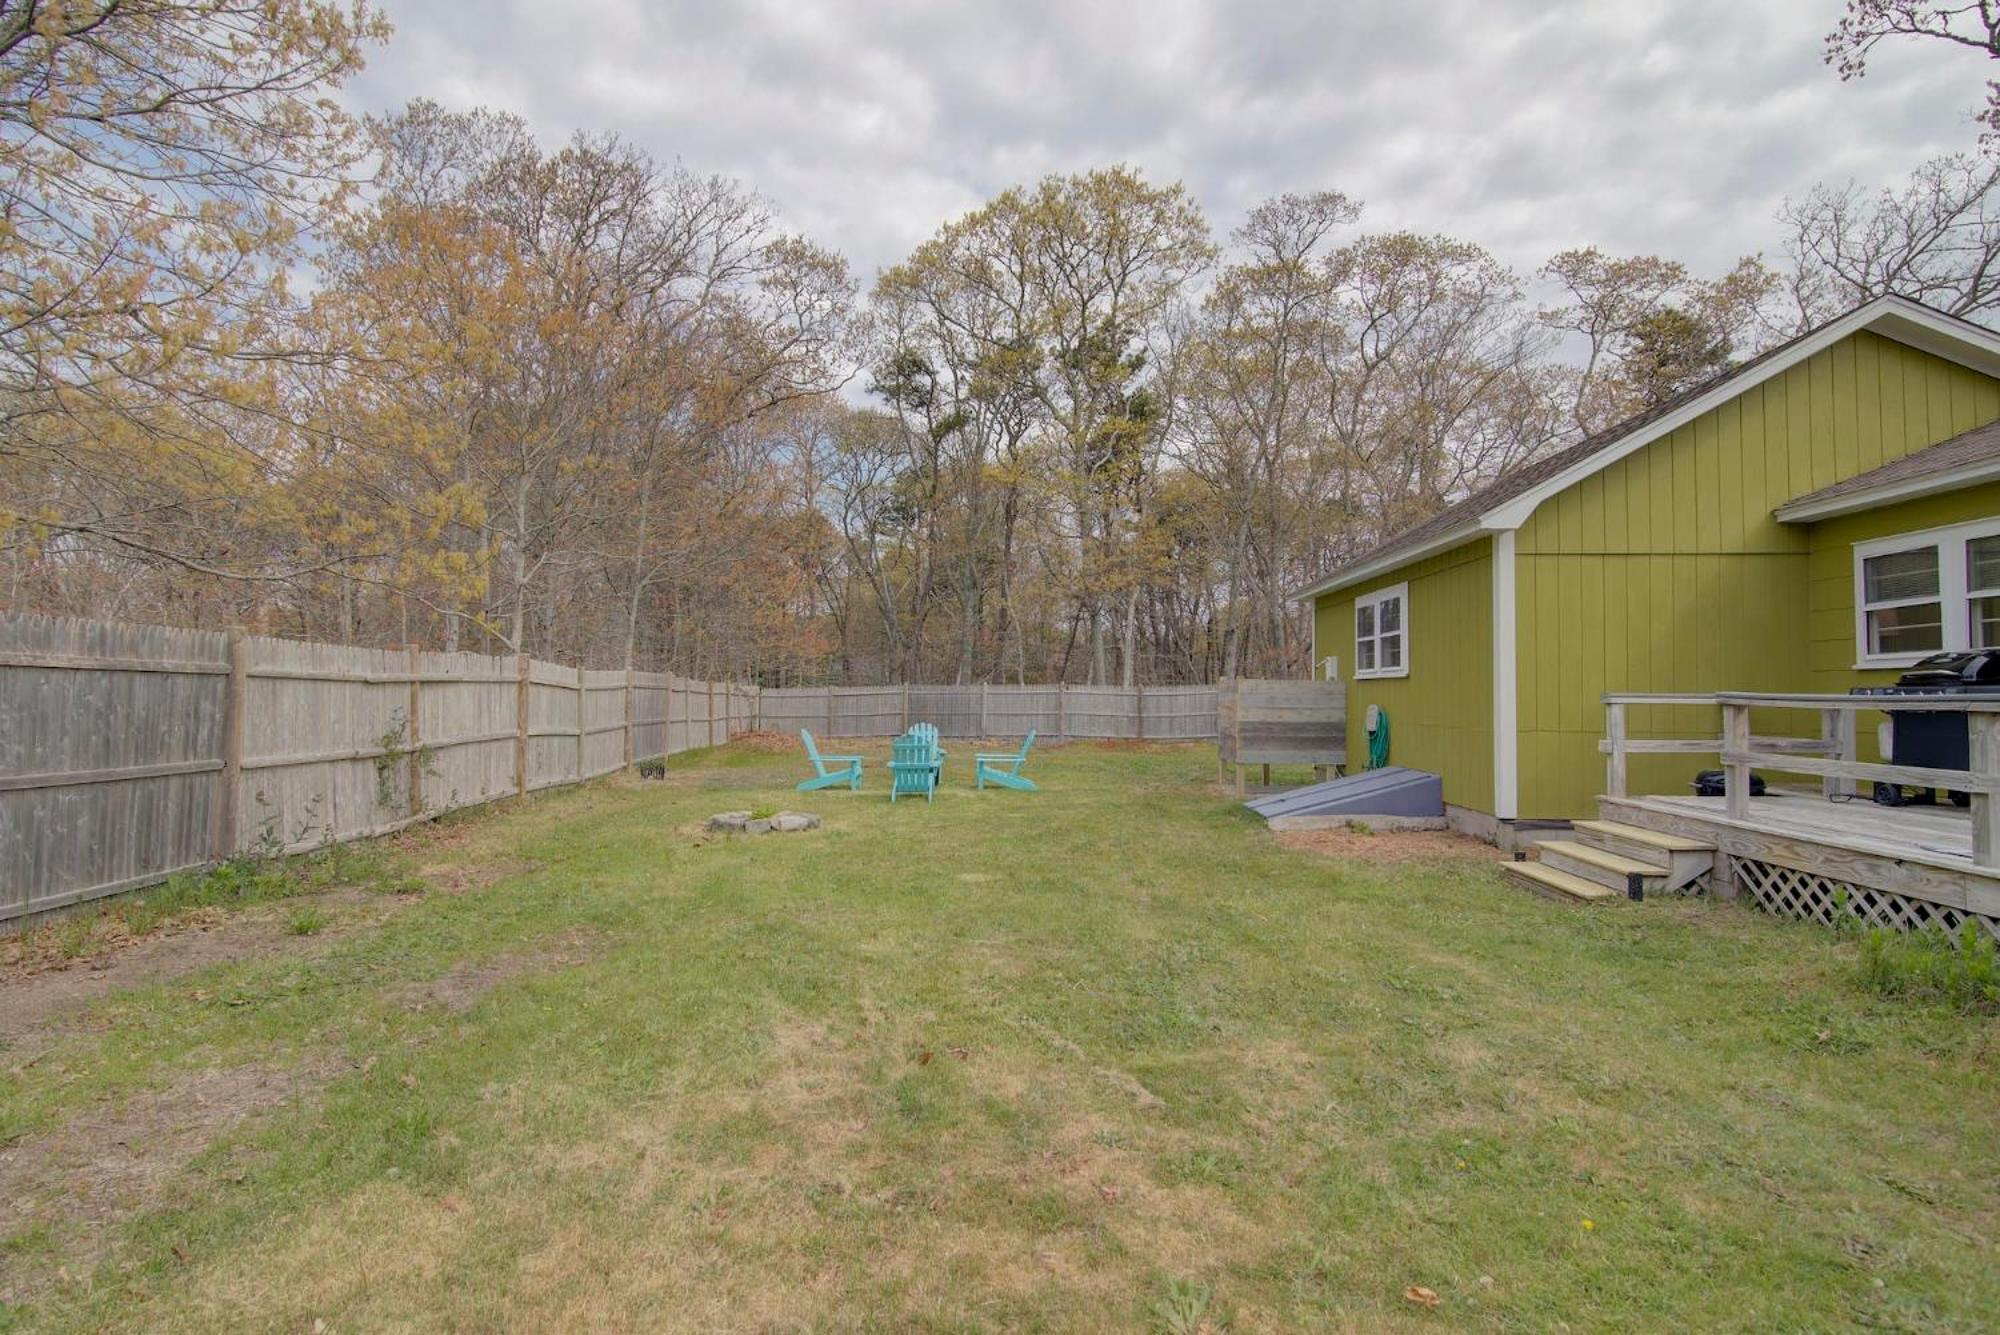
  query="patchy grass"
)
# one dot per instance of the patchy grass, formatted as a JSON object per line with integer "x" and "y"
{"x": 188, "y": 897}
{"x": 1103, "y": 1056}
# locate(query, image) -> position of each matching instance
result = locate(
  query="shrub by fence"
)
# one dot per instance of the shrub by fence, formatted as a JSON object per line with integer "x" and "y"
{"x": 128, "y": 753}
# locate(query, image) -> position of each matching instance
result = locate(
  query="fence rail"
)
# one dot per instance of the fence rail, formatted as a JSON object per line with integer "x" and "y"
{"x": 129, "y": 753}
{"x": 1832, "y": 757}
{"x": 1138, "y": 713}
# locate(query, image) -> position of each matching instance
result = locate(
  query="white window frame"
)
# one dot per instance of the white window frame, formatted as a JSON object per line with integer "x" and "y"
{"x": 1396, "y": 593}
{"x": 1949, "y": 542}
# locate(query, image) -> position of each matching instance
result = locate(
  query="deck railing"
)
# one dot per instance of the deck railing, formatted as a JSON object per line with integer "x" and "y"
{"x": 1833, "y": 755}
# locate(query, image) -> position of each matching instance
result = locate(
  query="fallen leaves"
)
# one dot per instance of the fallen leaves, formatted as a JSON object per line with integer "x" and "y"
{"x": 1422, "y": 1297}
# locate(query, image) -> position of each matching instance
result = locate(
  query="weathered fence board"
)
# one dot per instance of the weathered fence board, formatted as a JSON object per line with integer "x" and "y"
{"x": 1156, "y": 713}
{"x": 82, "y": 699}
{"x": 466, "y": 728}
{"x": 1264, "y": 722}
{"x": 128, "y": 753}
{"x": 324, "y": 726}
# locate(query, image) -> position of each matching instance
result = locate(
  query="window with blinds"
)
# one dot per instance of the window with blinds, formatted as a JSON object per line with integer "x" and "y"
{"x": 1924, "y": 593}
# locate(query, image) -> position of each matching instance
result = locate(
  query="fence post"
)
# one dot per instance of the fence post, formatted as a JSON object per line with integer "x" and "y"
{"x": 416, "y": 731}
{"x": 829, "y": 709}
{"x": 582, "y": 719}
{"x": 521, "y": 725}
{"x": 1837, "y": 729}
{"x": 711, "y": 713}
{"x": 906, "y": 707}
{"x": 631, "y": 721}
{"x": 1985, "y": 758}
{"x": 228, "y": 831}
{"x": 1139, "y": 709}
{"x": 1614, "y": 759}
{"x": 1736, "y": 773}
{"x": 982, "y": 709}
{"x": 1062, "y": 710}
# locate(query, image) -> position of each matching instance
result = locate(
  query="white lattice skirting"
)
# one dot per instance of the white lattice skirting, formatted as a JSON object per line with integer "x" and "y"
{"x": 1802, "y": 894}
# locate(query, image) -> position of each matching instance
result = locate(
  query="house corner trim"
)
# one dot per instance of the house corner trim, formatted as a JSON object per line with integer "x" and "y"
{"x": 1506, "y": 695}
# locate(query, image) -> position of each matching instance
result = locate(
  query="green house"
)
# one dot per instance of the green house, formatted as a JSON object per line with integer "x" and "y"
{"x": 1818, "y": 518}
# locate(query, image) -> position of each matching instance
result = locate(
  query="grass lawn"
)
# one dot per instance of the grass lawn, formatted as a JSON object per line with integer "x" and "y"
{"x": 1105, "y": 1056}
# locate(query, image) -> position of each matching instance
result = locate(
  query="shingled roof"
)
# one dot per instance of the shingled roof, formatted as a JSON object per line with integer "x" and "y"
{"x": 1969, "y": 457}
{"x": 1896, "y": 317}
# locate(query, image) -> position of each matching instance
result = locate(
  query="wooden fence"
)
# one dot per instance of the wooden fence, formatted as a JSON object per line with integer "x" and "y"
{"x": 128, "y": 753}
{"x": 1142, "y": 713}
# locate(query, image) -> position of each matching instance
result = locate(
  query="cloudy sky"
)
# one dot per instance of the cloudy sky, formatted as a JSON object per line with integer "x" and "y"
{"x": 1668, "y": 126}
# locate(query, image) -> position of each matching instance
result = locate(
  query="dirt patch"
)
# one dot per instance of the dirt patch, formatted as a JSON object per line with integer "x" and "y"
{"x": 1123, "y": 1081}
{"x": 1390, "y": 845}
{"x": 466, "y": 983}
{"x": 456, "y": 878}
{"x": 43, "y": 993}
{"x": 114, "y": 1161}
{"x": 777, "y": 743}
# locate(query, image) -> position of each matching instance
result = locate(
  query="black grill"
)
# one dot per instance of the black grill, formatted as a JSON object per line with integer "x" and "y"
{"x": 1934, "y": 739}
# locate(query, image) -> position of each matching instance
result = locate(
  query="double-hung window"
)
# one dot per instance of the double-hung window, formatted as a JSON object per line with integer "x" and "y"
{"x": 1923, "y": 593}
{"x": 1382, "y": 632}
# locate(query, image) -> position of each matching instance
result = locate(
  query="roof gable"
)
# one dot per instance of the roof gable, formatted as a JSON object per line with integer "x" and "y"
{"x": 1507, "y": 502}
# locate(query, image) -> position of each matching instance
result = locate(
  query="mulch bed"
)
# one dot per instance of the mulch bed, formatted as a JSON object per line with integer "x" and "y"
{"x": 1390, "y": 845}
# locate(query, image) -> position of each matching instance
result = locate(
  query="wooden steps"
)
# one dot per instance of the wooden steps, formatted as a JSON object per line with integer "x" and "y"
{"x": 1639, "y": 835}
{"x": 1608, "y": 861}
{"x": 1686, "y": 860}
{"x": 1612, "y": 870}
{"x": 1556, "y": 885}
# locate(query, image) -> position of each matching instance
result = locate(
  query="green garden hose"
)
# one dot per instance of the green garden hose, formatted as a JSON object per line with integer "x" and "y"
{"x": 1378, "y": 741}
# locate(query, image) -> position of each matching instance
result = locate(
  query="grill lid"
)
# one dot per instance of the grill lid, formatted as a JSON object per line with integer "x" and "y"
{"x": 1946, "y": 671}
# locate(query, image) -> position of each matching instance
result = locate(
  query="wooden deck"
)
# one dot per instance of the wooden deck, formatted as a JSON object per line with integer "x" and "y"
{"x": 1922, "y": 853}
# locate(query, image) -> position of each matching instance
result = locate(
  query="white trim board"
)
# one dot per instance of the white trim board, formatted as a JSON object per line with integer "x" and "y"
{"x": 1506, "y": 686}
{"x": 1888, "y": 493}
{"x": 1457, "y": 537}
{"x": 1896, "y": 318}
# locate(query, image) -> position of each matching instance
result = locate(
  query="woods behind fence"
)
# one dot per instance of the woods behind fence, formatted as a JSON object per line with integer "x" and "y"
{"x": 129, "y": 753}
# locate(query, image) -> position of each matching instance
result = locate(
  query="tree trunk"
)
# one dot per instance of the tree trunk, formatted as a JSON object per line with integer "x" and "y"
{"x": 521, "y": 564}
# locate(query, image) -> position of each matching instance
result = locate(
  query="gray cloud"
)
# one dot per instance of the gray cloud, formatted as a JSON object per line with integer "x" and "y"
{"x": 1528, "y": 127}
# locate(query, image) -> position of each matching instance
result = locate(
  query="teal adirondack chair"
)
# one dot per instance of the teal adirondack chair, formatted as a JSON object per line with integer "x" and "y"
{"x": 914, "y": 762}
{"x": 1004, "y": 768}
{"x": 829, "y": 771}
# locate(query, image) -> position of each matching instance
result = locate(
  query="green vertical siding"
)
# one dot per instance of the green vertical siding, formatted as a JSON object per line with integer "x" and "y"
{"x": 1666, "y": 572}
{"x": 1441, "y": 715}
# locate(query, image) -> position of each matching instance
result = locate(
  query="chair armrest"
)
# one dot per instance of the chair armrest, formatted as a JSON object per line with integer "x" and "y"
{"x": 855, "y": 760}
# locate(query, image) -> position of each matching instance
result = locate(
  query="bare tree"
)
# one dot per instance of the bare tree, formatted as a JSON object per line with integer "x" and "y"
{"x": 1973, "y": 25}
{"x": 1936, "y": 240}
